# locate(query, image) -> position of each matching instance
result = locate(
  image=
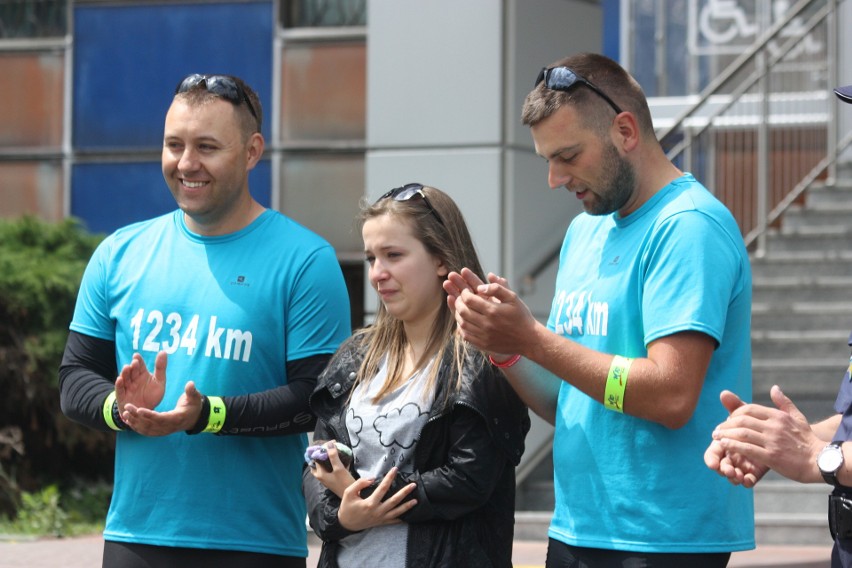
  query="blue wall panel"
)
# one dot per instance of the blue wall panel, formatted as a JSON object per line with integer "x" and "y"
{"x": 127, "y": 61}
{"x": 109, "y": 196}
{"x": 612, "y": 29}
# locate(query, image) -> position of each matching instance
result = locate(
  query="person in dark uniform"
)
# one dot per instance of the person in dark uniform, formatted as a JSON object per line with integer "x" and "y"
{"x": 756, "y": 438}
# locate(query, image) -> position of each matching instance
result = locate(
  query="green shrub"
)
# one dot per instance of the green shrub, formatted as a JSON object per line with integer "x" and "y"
{"x": 81, "y": 509}
{"x": 40, "y": 513}
{"x": 41, "y": 265}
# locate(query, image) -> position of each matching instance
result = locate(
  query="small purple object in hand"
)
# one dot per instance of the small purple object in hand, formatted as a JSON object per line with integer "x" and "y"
{"x": 318, "y": 454}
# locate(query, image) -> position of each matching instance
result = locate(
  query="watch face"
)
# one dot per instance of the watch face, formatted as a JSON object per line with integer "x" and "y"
{"x": 830, "y": 459}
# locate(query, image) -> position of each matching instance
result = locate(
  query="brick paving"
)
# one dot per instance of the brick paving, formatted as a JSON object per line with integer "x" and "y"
{"x": 85, "y": 552}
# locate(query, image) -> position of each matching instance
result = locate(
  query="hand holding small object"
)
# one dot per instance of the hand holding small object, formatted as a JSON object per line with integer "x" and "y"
{"x": 318, "y": 454}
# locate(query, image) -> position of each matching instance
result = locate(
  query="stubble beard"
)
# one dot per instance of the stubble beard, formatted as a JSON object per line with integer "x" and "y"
{"x": 618, "y": 187}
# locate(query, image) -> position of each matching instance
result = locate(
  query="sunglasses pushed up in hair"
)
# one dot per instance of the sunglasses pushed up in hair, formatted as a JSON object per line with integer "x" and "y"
{"x": 220, "y": 85}
{"x": 564, "y": 79}
{"x": 406, "y": 192}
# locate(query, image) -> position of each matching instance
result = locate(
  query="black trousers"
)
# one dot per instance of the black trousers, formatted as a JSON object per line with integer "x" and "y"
{"x": 127, "y": 555}
{"x": 561, "y": 555}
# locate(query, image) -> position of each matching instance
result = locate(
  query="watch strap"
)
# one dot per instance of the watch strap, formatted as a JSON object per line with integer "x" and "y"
{"x": 830, "y": 477}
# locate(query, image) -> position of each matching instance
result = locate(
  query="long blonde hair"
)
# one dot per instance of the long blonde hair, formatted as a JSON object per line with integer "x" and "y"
{"x": 440, "y": 226}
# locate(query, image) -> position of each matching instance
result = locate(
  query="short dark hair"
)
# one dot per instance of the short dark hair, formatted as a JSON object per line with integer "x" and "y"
{"x": 251, "y": 119}
{"x": 608, "y": 76}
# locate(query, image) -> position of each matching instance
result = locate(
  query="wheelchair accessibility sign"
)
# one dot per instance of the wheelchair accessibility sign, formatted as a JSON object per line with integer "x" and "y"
{"x": 728, "y": 26}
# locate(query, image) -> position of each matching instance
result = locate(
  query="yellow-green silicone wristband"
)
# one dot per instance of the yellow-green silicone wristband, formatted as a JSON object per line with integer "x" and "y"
{"x": 217, "y": 415}
{"x": 107, "y": 410}
{"x": 616, "y": 382}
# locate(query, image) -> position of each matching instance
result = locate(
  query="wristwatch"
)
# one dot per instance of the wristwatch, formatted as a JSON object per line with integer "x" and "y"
{"x": 829, "y": 462}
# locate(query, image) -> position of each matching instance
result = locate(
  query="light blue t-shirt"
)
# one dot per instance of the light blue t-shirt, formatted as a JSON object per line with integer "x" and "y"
{"x": 230, "y": 311}
{"x": 676, "y": 264}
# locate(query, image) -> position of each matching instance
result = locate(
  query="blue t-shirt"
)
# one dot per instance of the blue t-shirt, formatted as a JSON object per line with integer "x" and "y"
{"x": 843, "y": 404}
{"x": 676, "y": 264}
{"x": 230, "y": 311}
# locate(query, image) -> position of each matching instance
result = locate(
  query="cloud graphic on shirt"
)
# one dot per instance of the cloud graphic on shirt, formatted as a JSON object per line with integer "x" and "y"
{"x": 392, "y": 422}
{"x": 354, "y": 424}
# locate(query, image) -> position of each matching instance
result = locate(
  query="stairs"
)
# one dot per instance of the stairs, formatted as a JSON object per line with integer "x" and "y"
{"x": 802, "y": 305}
{"x": 801, "y": 319}
{"x": 790, "y": 514}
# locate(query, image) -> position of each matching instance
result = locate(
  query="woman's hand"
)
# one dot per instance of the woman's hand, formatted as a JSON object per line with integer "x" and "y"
{"x": 357, "y": 513}
{"x": 339, "y": 478}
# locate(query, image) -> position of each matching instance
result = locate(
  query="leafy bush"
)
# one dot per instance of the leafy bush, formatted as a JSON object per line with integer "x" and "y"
{"x": 79, "y": 510}
{"x": 41, "y": 265}
{"x": 40, "y": 513}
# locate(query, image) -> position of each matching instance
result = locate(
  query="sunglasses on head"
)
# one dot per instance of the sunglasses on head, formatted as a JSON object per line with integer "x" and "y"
{"x": 564, "y": 79}
{"x": 219, "y": 85}
{"x": 408, "y": 191}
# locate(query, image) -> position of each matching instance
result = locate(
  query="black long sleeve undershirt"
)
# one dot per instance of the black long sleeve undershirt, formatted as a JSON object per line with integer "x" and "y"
{"x": 88, "y": 370}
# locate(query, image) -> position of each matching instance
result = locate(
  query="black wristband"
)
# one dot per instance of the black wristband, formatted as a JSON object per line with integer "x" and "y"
{"x": 203, "y": 417}
{"x": 116, "y": 417}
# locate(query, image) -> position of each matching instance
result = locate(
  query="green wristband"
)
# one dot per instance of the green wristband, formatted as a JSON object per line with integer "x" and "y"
{"x": 217, "y": 415}
{"x": 616, "y": 383}
{"x": 110, "y": 414}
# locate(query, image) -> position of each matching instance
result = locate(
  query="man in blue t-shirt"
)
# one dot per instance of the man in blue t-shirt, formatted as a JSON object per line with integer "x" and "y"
{"x": 197, "y": 337}
{"x": 757, "y": 438}
{"x": 650, "y": 320}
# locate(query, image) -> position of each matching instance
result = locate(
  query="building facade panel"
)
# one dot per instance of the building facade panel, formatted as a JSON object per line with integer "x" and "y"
{"x": 31, "y": 187}
{"x": 31, "y": 111}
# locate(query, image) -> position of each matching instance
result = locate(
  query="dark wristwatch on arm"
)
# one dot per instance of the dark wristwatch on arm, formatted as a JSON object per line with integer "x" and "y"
{"x": 829, "y": 462}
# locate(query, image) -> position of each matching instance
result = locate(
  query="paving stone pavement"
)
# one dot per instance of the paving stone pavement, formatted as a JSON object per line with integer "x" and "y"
{"x": 85, "y": 552}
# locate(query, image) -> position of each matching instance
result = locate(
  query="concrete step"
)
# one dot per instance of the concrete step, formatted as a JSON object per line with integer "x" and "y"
{"x": 799, "y": 530}
{"x": 775, "y": 495}
{"x": 786, "y": 264}
{"x": 801, "y": 319}
{"x": 805, "y": 315}
{"x": 811, "y": 385}
{"x": 797, "y": 377}
{"x": 823, "y": 196}
{"x": 532, "y": 525}
{"x": 795, "y": 344}
{"x": 536, "y": 495}
{"x": 787, "y": 512}
{"x": 835, "y": 214}
{"x": 803, "y": 286}
{"x": 811, "y": 239}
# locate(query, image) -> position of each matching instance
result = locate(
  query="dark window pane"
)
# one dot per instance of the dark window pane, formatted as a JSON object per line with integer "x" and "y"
{"x": 323, "y": 13}
{"x": 33, "y": 18}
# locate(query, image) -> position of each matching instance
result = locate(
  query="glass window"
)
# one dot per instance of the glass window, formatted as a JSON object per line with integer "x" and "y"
{"x": 323, "y": 92}
{"x": 31, "y": 113}
{"x": 33, "y": 18}
{"x": 31, "y": 188}
{"x": 322, "y": 192}
{"x": 677, "y": 47}
{"x": 323, "y": 13}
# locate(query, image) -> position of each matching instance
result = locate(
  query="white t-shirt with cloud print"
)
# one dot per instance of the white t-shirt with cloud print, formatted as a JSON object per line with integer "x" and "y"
{"x": 384, "y": 435}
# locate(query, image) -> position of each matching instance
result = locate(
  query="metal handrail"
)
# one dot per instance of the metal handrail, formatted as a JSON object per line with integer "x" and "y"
{"x": 799, "y": 189}
{"x": 713, "y": 89}
{"x": 737, "y": 65}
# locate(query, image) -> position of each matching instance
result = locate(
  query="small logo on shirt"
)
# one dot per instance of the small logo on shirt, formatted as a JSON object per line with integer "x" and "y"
{"x": 240, "y": 281}
{"x": 614, "y": 261}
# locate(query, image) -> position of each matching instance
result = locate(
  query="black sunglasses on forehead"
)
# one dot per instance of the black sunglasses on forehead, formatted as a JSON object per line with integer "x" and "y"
{"x": 563, "y": 79}
{"x": 220, "y": 85}
{"x": 408, "y": 191}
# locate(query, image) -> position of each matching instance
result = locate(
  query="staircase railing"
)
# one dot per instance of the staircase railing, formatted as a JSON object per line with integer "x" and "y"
{"x": 764, "y": 129}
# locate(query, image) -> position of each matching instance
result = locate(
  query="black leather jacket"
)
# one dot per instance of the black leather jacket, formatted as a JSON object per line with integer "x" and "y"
{"x": 464, "y": 463}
